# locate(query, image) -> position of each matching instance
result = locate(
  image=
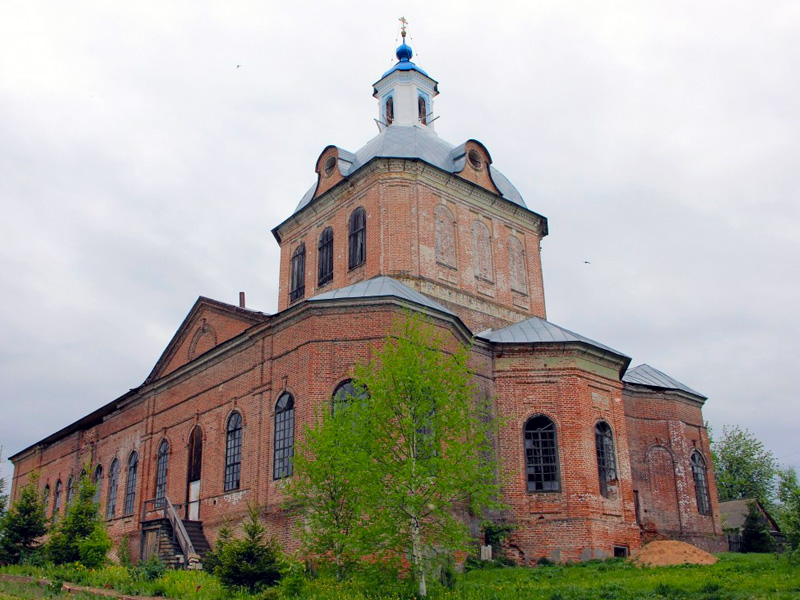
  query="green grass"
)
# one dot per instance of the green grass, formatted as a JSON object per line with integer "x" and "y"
{"x": 734, "y": 577}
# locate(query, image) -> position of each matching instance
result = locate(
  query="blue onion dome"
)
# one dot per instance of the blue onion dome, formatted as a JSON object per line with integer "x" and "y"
{"x": 404, "y": 52}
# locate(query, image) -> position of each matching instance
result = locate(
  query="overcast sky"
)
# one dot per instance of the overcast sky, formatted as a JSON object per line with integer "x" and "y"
{"x": 147, "y": 149}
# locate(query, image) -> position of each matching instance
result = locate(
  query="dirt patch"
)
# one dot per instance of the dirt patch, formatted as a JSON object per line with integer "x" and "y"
{"x": 667, "y": 552}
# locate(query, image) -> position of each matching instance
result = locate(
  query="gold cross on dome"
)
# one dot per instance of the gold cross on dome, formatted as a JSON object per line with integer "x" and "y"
{"x": 403, "y": 27}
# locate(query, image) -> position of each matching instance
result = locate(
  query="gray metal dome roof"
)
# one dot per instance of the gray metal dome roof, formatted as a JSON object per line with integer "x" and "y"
{"x": 649, "y": 376}
{"x": 414, "y": 142}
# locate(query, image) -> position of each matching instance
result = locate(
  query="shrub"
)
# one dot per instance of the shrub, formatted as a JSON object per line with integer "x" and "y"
{"x": 22, "y": 525}
{"x": 80, "y": 536}
{"x": 251, "y": 562}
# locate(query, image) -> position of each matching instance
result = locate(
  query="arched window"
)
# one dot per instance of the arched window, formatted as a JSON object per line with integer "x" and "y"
{"x": 70, "y": 490}
{"x": 233, "y": 452}
{"x": 130, "y": 484}
{"x": 325, "y": 257}
{"x": 346, "y": 391}
{"x": 46, "y": 498}
{"x": 482, "y": 251}
{"x": 541, "y": 455}
{"x": 358, "y": 238}
{"x": 516, "y": 266}
{"x": 97, "y": 480}
{"x": 445, "y": 237}
{"x": 422, "y": 109}
{"x": 606, "y": 459}
{"x": 57, "y": 499}
{"x": 284, "y": 437}
{"x": 161, "y": 473}
{"x": 113, "y": 484}
{"x": 298, "y": 279}
{"x": 389, "y": 111}
{"x": 700, "y": 475}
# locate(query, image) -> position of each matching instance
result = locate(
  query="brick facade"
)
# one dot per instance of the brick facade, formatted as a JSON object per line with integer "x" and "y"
{"x": 459, "y": 240}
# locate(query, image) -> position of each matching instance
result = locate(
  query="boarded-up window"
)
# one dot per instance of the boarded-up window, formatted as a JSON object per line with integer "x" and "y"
{"x": 481, "y": 251}
{"x": 516, "y": 266}
{"x": 445, "y": 237}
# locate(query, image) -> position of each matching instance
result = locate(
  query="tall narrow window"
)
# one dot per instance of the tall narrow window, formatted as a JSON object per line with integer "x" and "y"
{"x": 284, "y": 437}
{"x": 700, "y": 475}
{"x": 516, "y": 266}
{"x": 195, "y": 466}
{"x": 70, "y": 490}
{"x": 298, "y": 280}
{"x": 389, "y": 110}
{"x": 482, "y": 251}
{"x": 113, "y": 484}
{"x": 161, "y": 473}
{"x": 57, "y": 499}
{"x": 233, "y": 453}
{"x": 606, "y": 459}
{"x": 358, "y": 238}
{"x": 541, "y": 455}
{"x": 130, "y": 483}
{"x": 97, "y": 480}
{"x": 325, "y": 257}
{"x": 46, "y": 498}
{"x": 422, "y": 108}
{"x": 445, "y": 237}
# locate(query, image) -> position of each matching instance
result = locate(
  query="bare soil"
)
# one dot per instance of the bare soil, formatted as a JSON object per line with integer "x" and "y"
{"x": 667, "y": 552}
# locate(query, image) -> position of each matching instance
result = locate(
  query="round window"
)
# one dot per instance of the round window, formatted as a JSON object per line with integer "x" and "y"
{"x": 330, "y": 165}
{"x": 475, "y": 159}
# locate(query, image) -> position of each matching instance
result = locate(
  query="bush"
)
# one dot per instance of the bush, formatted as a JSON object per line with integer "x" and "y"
{"x": 755, "y": 533}
{"x": 22, "y": 525}
{"x": 252, "y": 562}
{"x": 80, "y": 536}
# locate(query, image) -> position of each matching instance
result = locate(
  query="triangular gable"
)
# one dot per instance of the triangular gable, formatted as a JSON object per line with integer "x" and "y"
{"x": 208, "y": 324}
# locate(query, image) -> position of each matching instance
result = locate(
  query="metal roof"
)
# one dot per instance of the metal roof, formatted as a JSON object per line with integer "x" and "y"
{"x": 646, "y": 375}
{"x": 378, "y": 287}
{"x": 414, "y": 142}
{"x": 536, "y": 330}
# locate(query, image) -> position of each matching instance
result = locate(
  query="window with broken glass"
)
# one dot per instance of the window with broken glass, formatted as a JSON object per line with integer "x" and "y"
{"x": 284, "y": 437}
{"x": 541, "y": 455}
{"x": 606, "y": 459}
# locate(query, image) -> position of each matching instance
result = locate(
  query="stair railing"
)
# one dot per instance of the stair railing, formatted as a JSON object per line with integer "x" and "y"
{"x": 178, "y": 530}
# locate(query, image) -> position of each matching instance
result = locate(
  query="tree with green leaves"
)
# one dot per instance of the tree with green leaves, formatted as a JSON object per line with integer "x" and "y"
{"x": 331, "y": 476}
{"x": 23, "y": 524}
{"x": 743, "y": 467}
{"x": 404, "y": 460}
{"x": 755, "y": 531}
{"x": 788, "y": 510}
{"x": 81, "y": 535}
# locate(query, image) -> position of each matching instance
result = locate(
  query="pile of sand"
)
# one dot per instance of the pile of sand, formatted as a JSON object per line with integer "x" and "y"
{"x": 667, "y": 552}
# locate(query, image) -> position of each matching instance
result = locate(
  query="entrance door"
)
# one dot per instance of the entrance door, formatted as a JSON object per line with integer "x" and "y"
{"x": 193, "y": 477}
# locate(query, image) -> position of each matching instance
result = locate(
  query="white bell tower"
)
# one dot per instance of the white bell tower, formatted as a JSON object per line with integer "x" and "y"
{"x": 405, "y": 92}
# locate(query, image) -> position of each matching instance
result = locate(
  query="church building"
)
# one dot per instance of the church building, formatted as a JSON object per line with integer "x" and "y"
{"x": 595, "y": 457}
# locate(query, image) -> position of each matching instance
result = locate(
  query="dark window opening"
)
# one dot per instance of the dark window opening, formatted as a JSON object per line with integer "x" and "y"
{"x": 606, "y": 460}
{"x": 325, "y": 260}
{"x": 541, "y": 455}
{"x": 57, "y": 499}
{"x": 298, "y": 278}
{"x": 130, "y": 484}
{"x": 70, "y": 490}
{"x": 389, "y": 110}
{"x": 620, "y": 552}
{"x": 46, "y": 498}
{"x": 284, "y": 437}
{"x": 357, "y": 254}
{"x": 97, "y": 480}
{"x": 233, "y": 453}
{"x": 113, "y": 479}
{"x": 161, "y": 473}
{"x": 422, "y": 107}
{"x": 195, "y": 454}
{"x": 700, "y": 476}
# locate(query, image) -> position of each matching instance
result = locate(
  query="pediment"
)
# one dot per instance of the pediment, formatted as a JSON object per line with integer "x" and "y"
{"x": 208, "y": 324}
